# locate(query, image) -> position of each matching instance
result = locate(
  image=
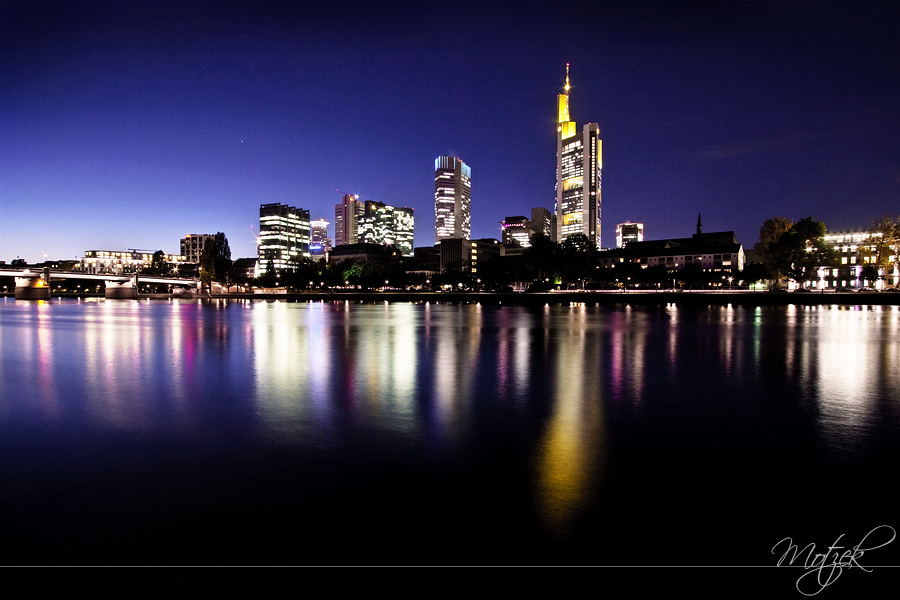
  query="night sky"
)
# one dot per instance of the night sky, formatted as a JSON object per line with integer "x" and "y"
{"x": 129, "y": 125}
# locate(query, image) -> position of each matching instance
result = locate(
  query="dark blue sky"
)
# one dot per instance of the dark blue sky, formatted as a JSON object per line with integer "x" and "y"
{"x": 125, "y": 126}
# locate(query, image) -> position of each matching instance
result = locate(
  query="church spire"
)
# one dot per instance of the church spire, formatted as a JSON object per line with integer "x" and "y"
{"x": 699, "y": 225}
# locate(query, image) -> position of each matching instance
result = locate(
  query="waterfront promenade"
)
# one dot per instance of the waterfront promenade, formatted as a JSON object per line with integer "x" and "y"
{"x": 742, "y": 297}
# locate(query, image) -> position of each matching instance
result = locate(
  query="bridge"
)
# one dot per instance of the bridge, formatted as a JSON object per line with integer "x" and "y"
{"x": 34, "y": 284}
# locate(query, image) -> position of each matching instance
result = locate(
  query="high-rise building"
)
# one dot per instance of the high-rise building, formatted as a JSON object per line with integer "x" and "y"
{"x": 346, "y": 214}
{"x": 381, "y": 223}
{"x": 452, "y": 196}
{"x": 319, "y": 242}
{"x": 629, "y": 232}
{"x": 404, "y": 230}
{"x": 579, "y": 162}
{"x": 516, "y": 231}
{"x": 284, "y": 234}
{"x": 542, "y": 222}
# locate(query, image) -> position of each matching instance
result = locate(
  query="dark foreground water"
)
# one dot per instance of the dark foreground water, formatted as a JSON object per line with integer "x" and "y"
{"x": 178, "y": 432}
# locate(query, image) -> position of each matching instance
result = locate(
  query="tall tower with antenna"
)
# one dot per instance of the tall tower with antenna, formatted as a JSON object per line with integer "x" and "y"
{"x": 579, "y": 163}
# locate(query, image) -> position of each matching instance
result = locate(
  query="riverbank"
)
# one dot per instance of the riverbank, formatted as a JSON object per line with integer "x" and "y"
{"x": 743, "y": 298}
{"x": 689, "y": 298}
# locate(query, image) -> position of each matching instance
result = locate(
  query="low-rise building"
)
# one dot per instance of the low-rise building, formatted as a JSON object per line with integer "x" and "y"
{"x": 855, "y": 251}
{"x": 116, "y": 262}
{"x": 710, "y": 252}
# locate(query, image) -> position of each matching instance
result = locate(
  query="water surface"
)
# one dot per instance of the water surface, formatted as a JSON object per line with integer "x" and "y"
{"x": 249, "y": 432}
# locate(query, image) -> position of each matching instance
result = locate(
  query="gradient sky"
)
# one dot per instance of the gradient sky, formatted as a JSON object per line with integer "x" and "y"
{"x": 129, "y": 125}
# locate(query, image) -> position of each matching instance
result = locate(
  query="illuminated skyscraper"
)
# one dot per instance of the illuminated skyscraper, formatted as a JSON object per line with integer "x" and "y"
{"x": 579, "y": 162}
{"x": 452, "y": 195}
{"x": 516, "y": 230}
{"x": 381, "y": 223}
{"x": 319, "y": 242}
{"x": 629, "y": 232}
{"x": 345, "y": 220}
{"x": 284, "y": 233}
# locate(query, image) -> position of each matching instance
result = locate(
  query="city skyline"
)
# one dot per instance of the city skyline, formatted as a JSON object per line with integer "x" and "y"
{"x": 130, "y": 127}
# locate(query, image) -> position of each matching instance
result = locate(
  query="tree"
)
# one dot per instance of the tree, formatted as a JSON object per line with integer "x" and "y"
{"x": 215, "y": 260}
{"x": 869, "y": 274}
{"x": 541, "y": 259}
{"x": 207, "y": 265}
{"x": 158, "y": 265}
{"x": 882, "y": 251}
{"x": 767, "y": 248}
{"x": 794, "y": 250}
{"x": 577, "y": 258}
{"x": 804, "y": 245}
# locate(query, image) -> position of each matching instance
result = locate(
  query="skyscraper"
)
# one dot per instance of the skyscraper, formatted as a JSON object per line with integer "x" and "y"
{"x": 371, "y": 222}
{"x": 345, "y": 220}
{"x": 629, "y": 232}
{"x": 579, "y": 162}
{"x": 284, "y": 233}
{"x": 542, "y": 222}
{"x": 516, "y": 230}
{"x": 319, "y": 242}
{"x": 452, "y": 195}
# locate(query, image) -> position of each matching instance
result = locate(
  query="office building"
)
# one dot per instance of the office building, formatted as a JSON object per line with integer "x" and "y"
{"x": 579, "y": 163}
{"x": 319, "y": 242}
{"x": 459, "y": 254}
{"x": 404, "y": 230}
{"x": 452, "y": 196}
{"x": 125, "y": 261}
{"x": 854, "y": 251}
{"x": 629, "y": 232}
{"x": 542, "y": 222}
{"x": 192, "y": 244}
{"x": 284, "y": 236}
{"x": 346, "y": 214}
{"x": 380, "y": 223}
{"x": 516, "y": 231}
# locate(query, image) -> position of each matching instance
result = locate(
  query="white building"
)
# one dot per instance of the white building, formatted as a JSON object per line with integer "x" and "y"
{"x": 629, "y": 232}
{"x": 452, "y": 198}
{"x": 284, "y": 235}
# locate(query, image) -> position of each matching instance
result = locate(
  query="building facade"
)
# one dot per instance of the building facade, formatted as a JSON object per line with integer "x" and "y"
{"x": 117, "y": 262}
{"x": 319, "y": 242}
{"x": 542, "y": 222}
{"x": 579, "y": 164}
{"x": 192, "y": 244}
{"x": 452, "y": 199}
{"x": 284, "y": 237}
{"x": 855, "y": 251}
{"x": 516, "y": 231}
{"x": 718, "y": 253}
{"x": 629, "y": 232}
{"x": 346, "y": 214}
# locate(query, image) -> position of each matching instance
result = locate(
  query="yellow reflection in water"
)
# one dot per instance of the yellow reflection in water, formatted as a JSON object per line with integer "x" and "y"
{"x": 571, "y": 457}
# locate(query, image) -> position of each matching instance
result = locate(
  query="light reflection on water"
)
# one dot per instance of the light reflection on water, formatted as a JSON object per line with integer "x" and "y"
{"x": 455, "y": 383}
